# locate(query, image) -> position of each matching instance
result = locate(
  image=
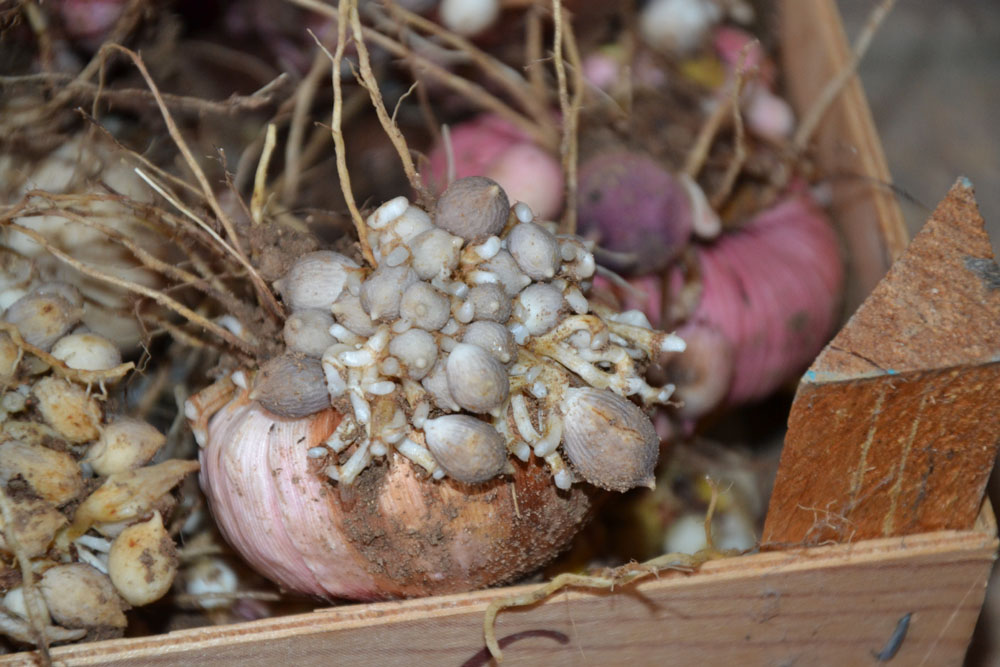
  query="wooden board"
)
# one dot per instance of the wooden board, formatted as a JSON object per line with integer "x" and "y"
{"x": 832, "y": 605}
{"x": 895, "y": 427}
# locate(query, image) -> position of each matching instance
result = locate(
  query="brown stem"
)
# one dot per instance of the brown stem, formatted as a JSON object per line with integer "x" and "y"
{"x": 336, "y": 59}
{"x": 264, "y": 294}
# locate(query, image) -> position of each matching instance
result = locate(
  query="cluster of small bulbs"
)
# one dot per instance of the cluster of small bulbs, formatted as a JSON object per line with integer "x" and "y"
{"x": 82, "y": 500}
{"x": 471, "y": 342}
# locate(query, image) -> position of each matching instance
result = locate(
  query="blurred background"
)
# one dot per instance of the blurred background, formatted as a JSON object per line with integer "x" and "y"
{"x": 932, "y": 78}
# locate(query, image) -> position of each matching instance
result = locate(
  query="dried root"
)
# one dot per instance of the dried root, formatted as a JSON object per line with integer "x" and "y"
{"x": 616, "y": 578}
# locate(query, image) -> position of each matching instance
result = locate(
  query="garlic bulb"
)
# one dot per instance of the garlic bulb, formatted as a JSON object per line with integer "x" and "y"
{"x": 295, "y": 528}
{"x": 441, "y": 406}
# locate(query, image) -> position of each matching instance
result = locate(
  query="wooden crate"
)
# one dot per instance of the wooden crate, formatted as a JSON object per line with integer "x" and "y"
{"x": 837, "y": 604}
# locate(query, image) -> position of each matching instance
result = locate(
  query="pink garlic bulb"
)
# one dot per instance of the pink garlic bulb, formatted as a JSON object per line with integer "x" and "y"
{"x": 89, "y": 21}
{"x": 772, "y": 288}
{"x": 490, "y": 146}
{"x": 766, "y": 114}
{"x": 393, "y": 533}
{"x": 634, "y": 209}
{"x": 729, "y": 42}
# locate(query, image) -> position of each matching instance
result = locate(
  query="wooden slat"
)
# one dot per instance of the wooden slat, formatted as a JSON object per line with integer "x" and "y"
{"x": 846, "y": 146}
{"x": 823, "y": 606}
{"x": 894, "y": 428}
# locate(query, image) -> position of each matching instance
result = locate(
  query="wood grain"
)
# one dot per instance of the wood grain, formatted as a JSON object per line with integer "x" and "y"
{"x": 895, "y": 427}
{"x": 831, "y": 605}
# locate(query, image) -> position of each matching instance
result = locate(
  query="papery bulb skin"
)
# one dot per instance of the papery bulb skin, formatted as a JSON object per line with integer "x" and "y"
{"x": 395, "y": 533}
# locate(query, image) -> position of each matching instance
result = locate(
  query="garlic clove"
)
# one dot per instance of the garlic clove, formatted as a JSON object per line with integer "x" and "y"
{"x": 382, "y": 292}
{"x": 468, "y": 449}
{"x": 78, "y": 596}
{"x": 508, "y": 272}
{"x": 609, "y": 441}
{"x": 417, "y": 350}
{"x": 316, "y": 280}
{"x": 702, "y": 372}
{"x": 468, "y": 17}
{"x": 68, "y": 408}
{"x": 291, "y": 386}
{"x": 436, "y": 384}
{"x": 474, "y": 208}
{"x": 535, "y": 250}
{"x": 435, "y": 252}
{"x": 43, "y": 318}
{"x": 308, "y": 332}
{"x": 425, "y": 307}
{"x": 493, "y": 337}
{"x": 211, "y": 575}
{"x": 142, "y": 562}
{"x": 124, "y": 444}
{"x": 55, "y": 476}
{"x": 476, "y": 380}
{"x": 489, "y": 302}
{"x": 87, "y": 352}
{"x": 349, "y": 312}
{"x": 127, "y": 495}
{"x": 10, "y": 357}
{"x": 677, "y": 26}
{"x": 34, "y": 521}
{"x": 538, "y": 308}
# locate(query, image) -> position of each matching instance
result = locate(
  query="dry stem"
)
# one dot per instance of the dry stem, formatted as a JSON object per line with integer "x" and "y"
{"x": 203, "y": 283}
{"x": 296, "y": 132}
{"x": 706, "y": 135}
{"x": 369, "y": 81}
{"x": 471, "y": 91}
{"x": 258, "y": 200}
{"x": 60, "y": 368}
{"x": 156, "y": 296}
{"x": 617, "y": 578}
{"x": 832, "y": 89}
{"x": 568, "y": 147}
{"x": 518, "y": 88}
{"x": 133, "y": 98}
{"x": 264, "y": 294}
{"x": 740, "y": 150}
{"x": 533, "y": 41}
{"x": 338, "y": 135}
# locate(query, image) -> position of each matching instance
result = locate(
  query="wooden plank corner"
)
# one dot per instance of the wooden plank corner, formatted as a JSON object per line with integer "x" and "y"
{"x": 895, "y": 427}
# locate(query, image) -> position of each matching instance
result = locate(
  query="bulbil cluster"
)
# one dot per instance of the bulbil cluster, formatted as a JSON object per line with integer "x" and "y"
{"x": 81, "y": 503}
{"x": 471, "y": 341}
